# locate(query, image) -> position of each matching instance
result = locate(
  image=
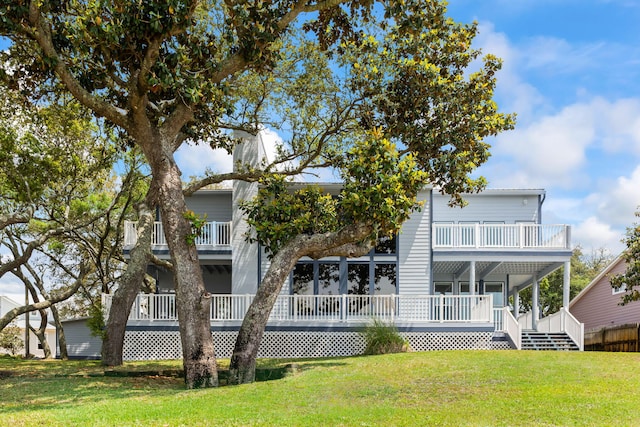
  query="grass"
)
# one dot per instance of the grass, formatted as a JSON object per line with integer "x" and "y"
{"x": 448, "y": 388}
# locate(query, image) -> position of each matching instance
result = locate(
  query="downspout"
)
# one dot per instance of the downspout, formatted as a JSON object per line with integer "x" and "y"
{"x": 541, "y": 198}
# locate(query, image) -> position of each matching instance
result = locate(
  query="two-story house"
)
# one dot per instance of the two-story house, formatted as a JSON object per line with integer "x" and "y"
{"x": 419, "y": 281}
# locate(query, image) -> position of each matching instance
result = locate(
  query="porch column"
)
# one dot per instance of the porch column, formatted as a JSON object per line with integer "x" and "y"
{"x": 516, "y": 302}
{"x": 535, "y": 309}
{"x": 472, "y": 277}
{"x": 566, "y": 284}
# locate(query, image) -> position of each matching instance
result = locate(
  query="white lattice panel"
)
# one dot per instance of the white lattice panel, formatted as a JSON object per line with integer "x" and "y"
{"x": 427, "y": 341}
{"x": 150, "y": 345}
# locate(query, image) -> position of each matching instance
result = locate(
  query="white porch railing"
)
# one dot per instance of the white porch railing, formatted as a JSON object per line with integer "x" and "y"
{"x": 500, "y": 236}
{"x": 563, "y": 321}
{"x": 505, "y": 322}
{"x": 212, "y": 234}
{"x": 327, "y": 308}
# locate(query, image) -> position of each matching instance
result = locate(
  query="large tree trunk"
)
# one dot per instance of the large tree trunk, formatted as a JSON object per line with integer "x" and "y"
{"x": 242, "y": 368}
{"x": 125, "y": 295}
{"x": 193, "y": 302}
{"x": 343, "y": 243}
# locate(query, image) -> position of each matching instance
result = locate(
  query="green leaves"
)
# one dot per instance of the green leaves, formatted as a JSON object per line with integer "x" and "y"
{"x": 280, "y": 212}
{"x": 380, "y": 188}
{"x": 630, "y": 279}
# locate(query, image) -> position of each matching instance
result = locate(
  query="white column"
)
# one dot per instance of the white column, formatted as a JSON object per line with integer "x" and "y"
{"x": 566, "y": 284}
{"x": 535, "y": 310}
{"x": 516, "y": 303}
{"x": 244, "y": 255}
{"x": 472, "y": 277}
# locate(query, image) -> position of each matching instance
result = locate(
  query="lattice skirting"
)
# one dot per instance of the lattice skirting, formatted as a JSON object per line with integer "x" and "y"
{"x": 153, "y": 345}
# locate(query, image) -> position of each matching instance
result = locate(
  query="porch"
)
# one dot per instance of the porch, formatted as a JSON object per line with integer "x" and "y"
{"x": 214, "y": 234}
{"x": 325, "y": 309}
{"x": 518, "y": 236}
{"x": 329, "y": 325}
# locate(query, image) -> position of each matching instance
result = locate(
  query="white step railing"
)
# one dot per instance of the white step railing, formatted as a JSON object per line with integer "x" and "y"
{"x": 501, "y": 236}
{"x": 212, "y": 234}
{"x": 563, "y": 321}
{"x": 505, "y": 322}
{"x": 327, "y": 308}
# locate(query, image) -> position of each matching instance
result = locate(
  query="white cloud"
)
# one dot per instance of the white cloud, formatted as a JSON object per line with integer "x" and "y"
{"x": 512, "y": 92}
{"x": 11, "y": 288}
{"x": 193, "y": 160}
{"x": 617, "y": 200}
{"x": 592, "y": 234}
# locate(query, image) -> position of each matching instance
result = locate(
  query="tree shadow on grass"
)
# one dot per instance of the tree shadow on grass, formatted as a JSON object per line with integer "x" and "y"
{"x": 27, "y": 388}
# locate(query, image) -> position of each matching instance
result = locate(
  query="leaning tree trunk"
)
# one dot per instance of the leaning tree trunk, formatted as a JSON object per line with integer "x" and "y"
{"x": 62, "y": 339}
{"x": 342, "y": 243}
{"x": 125, "y": 295}
{"x": 193, "y": 302}
{"x": 41, "y": 334}
{"x": 242, "y": 369}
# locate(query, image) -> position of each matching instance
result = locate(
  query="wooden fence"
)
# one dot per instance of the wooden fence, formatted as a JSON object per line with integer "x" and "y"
{"x": 615, "y": 338}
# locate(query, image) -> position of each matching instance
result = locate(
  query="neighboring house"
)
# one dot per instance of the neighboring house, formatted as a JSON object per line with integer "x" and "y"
{"x": 418, "y": 280}
{"x": 35, "y": 347}
{"x": 598, "y": 304}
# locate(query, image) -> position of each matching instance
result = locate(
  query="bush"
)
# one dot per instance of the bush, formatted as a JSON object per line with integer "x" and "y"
{"x": 11, "y": 340}
{"x": 382, "y": 338}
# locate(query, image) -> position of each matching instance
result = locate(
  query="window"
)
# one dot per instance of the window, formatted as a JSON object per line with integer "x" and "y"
{"x": 464, "y": 288}
{"x": 386, "y": 246}
{"x": 358, "y": 279}
{"x": 495, "y": 289}
{"x": 303, "y": 279}
{"x": 385, "y": 279}
{"x": 443, "y": 288}
{"x": 328, "y": 279}
{"x": 622, "y": 289}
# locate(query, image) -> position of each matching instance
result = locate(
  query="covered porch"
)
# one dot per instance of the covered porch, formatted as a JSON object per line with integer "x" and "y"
{"x": 326, "y": 309}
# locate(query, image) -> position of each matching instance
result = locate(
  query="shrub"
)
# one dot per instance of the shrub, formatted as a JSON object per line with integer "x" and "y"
{"x": 382, "y": 338}
{"x": 11, "y": 340}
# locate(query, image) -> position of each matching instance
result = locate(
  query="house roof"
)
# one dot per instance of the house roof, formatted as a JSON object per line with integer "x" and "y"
{"x": 506, "y": 192}
{"x": 597, "y": 279}
{"x": 7, "y": 304}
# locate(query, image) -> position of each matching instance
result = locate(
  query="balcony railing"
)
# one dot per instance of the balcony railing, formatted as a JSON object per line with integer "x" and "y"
{"x": 326, "y": 308}
{"x": 211, "y": 234}
{"x": 501, "y": 236}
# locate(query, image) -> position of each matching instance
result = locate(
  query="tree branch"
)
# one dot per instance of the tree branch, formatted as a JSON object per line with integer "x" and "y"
{"x": 12, "y": 314}
{"x": 43, "y": 37}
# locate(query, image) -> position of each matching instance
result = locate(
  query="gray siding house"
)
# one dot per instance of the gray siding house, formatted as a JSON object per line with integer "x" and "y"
{"x": 419, "y": 281}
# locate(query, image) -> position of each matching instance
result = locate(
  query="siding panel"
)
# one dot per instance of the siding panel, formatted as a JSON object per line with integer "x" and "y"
{"x": 599, "y": 307}
{"x": 507, "y": 208}
{"x": 216, "y": 205}
{"x": 415, "y": 251}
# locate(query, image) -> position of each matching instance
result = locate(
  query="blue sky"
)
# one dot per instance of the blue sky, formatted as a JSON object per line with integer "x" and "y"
{"x": 572, "y": 74}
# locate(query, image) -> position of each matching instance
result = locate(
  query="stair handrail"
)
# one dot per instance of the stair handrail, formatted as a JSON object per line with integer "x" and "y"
{"x": 511, "y": 326}
{"x": 573, "y": 327}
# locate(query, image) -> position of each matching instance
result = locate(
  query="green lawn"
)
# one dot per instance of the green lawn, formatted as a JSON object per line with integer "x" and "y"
{"x": 456, "y": 388}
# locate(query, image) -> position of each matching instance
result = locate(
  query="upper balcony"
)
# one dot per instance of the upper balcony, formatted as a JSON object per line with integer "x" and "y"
{"x": 520, "y": 236}
{"x": 214, "y": 235}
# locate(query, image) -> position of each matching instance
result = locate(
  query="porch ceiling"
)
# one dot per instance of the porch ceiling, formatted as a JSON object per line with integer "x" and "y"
{"x": 506, "y": 267}
{"x": 519, "y": 272}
